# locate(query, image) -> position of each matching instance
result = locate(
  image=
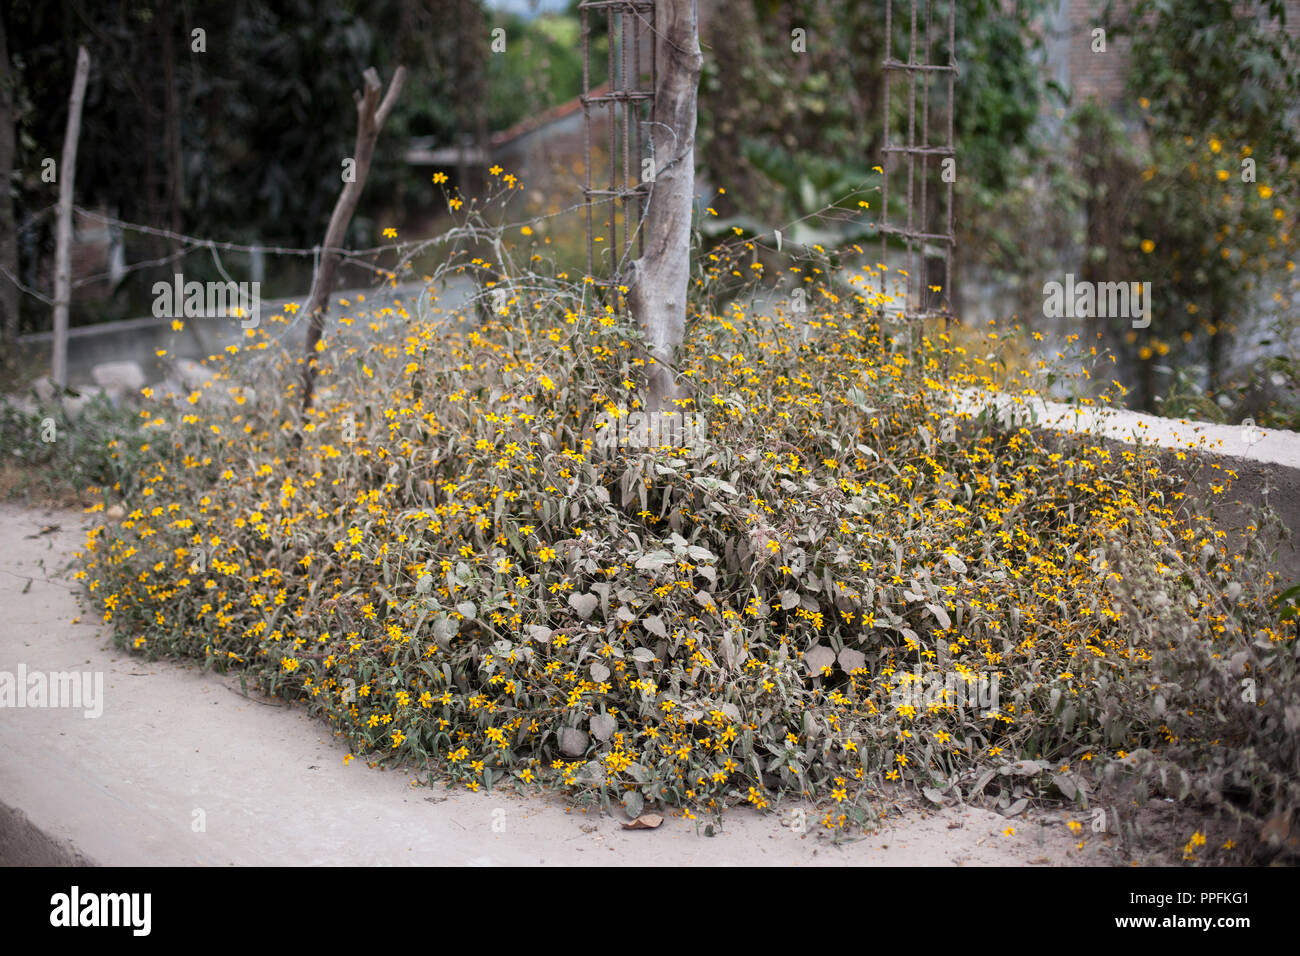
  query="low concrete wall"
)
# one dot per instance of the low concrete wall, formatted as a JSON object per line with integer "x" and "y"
{"x": 1266, "y": 461}
{"x": 138, "y": 340}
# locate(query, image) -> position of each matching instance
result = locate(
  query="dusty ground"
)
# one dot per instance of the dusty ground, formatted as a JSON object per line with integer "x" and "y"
{"x": 183, "y": 769}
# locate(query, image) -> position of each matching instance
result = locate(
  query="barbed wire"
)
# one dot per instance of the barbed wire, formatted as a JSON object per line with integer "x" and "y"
{"x": 406, "y": 250}
{"x": 22, "y": 288}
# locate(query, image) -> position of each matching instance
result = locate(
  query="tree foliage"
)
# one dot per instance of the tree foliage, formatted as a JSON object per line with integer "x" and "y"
{"x": 1213, "y": 217}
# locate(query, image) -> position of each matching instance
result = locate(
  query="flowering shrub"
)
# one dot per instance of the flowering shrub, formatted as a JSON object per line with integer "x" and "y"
{"x": 842, "y": 582}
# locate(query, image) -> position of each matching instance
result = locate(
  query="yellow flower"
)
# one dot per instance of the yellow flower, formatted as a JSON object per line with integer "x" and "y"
{"x": 1148, "y": 246}
{"x": 454, "y": 203}
{"x": 495, "y": 170}
{"x": 390, "y": 233}
{"x": 439, "y": 177}
{"x": 1265, "y": 191}
{"x": 526, "y": 230}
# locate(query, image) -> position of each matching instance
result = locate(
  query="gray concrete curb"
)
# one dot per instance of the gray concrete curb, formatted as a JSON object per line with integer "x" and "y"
{"x": 1268, "y": 463}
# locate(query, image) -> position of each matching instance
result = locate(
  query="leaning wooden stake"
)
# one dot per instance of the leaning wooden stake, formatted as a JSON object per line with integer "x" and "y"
{"x": 8, "y": 230}
{"x": 62, "y": 260}
{"x": 371, "y": 116}
{"x": 660, "y": 278}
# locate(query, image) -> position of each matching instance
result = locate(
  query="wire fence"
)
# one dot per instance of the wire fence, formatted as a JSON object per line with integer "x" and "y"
{"x": 405, "y": 251}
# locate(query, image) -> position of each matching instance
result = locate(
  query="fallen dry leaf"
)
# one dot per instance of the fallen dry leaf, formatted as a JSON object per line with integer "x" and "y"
{"x": 646, "y": 821}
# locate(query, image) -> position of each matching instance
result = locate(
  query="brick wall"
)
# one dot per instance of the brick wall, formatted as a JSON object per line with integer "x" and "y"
{"x": 1095, "y": 75}
{"x": 1101, "y": 76}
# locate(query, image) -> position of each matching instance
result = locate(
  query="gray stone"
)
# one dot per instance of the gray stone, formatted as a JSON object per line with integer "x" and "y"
{"x": 44, "y": 388}
{"x": 75, "y": 404}
{"x": 21, "y": 404}
{"x": 120, "y": 377}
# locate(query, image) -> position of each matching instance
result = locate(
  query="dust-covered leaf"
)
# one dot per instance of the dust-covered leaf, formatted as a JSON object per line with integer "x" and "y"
{"x": 646, "y": 821}
{"x": 654, "y": 560}
{"x": 603, "y": 726}
{"x": 940, "y": 615}
{"x": 573, "y": 742}
{"x": 851, "y": 660}
{"x": 583, "y": 603}
{"x": 817, "y": 657}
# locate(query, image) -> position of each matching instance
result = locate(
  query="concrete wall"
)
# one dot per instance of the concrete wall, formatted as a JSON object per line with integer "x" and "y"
{"x": 1266, "y": 461}
{"x": 138, "y": 340}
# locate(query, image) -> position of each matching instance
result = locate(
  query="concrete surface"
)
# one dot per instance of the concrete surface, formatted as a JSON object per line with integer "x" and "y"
{"x": 1266, "y": 461}
{"x": 137, "y": 340}
{"x": 272, "y": 788}
{"x": 1260, "y": 446}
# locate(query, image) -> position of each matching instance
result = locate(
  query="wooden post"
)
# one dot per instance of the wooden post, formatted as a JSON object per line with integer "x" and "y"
{"x": 8, "y": 228}
{"x": 62, "y": 259}
{"x": 660, "y": 278}
{"x": 371, "y": 116}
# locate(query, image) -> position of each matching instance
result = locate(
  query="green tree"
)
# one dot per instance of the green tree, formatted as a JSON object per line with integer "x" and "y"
{"x": 1215, "y": 210}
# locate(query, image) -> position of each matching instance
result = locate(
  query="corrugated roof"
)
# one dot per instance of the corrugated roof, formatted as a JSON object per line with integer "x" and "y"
{"x": 555, "y": 113}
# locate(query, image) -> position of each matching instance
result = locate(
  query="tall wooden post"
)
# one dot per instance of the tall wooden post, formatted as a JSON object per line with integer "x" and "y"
{"x": 371, "y": 116}
{"x": 8, "y": 228}
{"x": 659, "y": 279}
{"x": 67, "y": 173}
